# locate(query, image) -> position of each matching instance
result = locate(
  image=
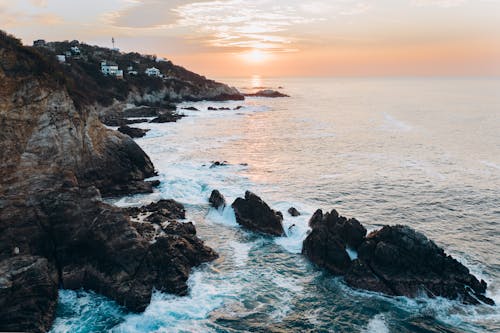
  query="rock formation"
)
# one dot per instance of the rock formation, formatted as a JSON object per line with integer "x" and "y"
{"x": 267, "y": 93}
{"x": 293, "y": 212}
{"x": 217, "y": 199}
{"x": 394, "y": 260}
{"x": 254, "y": 214}
{"x": 133, "y": 132}
{"x": 56, "y": 160}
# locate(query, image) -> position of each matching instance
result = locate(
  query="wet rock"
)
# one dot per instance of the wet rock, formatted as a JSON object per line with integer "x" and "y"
{"x": 169, "y": 210}
{"x": 401, "y": 261}
{"x": 218, "y": 164}
{"x": 254, "y": 214}
{"x": 394, "y": 260}
{"x": 191, "y": 108}
{"x": 224, "y": 109}
{"x": 293, "y": 211}
{"x": 28, "y": 294}
{"x": 133, "y": 132}
{"x": 267, "y": 93}
{"x": 167, "y": 117}
{"x": 217, "y": 199}
{"x": 327, "y": 242}
{"x": 211, "y": 108}
{"x": 239, "y": 107}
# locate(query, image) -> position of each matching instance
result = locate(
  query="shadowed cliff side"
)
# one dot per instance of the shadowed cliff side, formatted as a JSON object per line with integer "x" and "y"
{"x": 56, "y": 158}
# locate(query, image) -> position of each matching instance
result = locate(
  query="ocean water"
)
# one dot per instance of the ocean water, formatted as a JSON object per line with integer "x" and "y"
{"x": 421, "y": 152}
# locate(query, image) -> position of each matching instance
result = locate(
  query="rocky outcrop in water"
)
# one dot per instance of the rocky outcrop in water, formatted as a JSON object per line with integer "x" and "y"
{"x": 395, "y": 260}
{"x": 56, "y": 160}
{"x": 217, "y": 199}
{"x": 293, "y": 212}
{"x": 167, "y": 117}
{"x": 133, "y": 132}
{"x": 267, "y": 93}
{"x": 254, "y": 214}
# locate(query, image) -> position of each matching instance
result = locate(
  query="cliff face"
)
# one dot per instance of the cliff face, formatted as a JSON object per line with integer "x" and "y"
{"x": 56, "y": 159}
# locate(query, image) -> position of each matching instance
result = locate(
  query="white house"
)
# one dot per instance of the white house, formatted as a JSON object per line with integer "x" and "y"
{"x": 75, "y": 50}
{"x": 61, "y": 58}
{"x": 153, "y": 71}
{"x": 111, "y": 69}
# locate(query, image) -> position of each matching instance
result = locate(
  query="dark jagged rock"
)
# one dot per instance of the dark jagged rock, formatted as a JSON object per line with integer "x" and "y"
{"x": 327, "y": 242}
{"x": 211, "y": 108}
{"x": 218, "y": 164}
{"x": 217, "y": 199}
{"x": 133, "y": 132}
{"x": 169, "y": 209}
{"x": 56, "y": 159}
{"x": 293, "y": 212}
{"x": 224, "y": 109}
{"x": 28, "y": 294}
{"x": 254, "y": 214}
{"x": 191, "y": 108}
{"x": 168, "y": 117}
{"x": 147, "y": 111}
{"x": 395, "y": 260}
{"x": 402, "y": 261}
{"x": 267, "y": 93}
{"x": 239, "y": 107}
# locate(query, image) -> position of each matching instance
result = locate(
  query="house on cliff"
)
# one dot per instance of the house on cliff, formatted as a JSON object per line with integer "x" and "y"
{"x": 111, "y": 69}
{"x": 153, "y": 72}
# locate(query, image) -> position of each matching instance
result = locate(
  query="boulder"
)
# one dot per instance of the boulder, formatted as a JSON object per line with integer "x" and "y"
{"x": 211, "y": 108}
{"x": 293, "y": 212}
{"x": 331, "y": 234}
{"x": 217, "y": 199}
{"x": 254, "y": 214}
{"x": 133, "y": 132}
{"x": 191, "y": 108}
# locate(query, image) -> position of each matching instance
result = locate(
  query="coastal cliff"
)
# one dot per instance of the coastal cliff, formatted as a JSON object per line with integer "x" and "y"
{"x": 56, "y": 160}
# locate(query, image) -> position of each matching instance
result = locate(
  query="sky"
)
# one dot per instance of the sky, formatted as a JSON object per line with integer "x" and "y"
{"x": 219, "y": 38}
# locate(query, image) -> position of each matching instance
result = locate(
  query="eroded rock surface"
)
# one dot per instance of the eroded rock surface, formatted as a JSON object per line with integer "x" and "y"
{"x": 394, "y": 260}
{"x": 254, "y": 214}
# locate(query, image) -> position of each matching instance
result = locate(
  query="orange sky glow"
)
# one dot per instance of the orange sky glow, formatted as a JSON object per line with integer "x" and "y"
{"x": 280, "y": 38}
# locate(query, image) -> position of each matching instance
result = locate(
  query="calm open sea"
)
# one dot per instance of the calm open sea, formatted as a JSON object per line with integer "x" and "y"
{"x": 422, "y": 152}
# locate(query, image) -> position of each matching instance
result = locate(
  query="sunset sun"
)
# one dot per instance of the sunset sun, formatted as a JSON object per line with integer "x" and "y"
{"x": 255, "y": 56}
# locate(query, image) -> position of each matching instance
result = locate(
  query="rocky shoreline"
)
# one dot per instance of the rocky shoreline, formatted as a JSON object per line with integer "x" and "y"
{"x": 58, "y": 161}
{"x": 394, "y": 260}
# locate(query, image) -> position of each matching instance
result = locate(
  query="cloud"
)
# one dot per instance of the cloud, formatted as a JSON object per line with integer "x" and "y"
{"x": 439, "y": 3}
{"x": 235, "y": 24}
{"x": 39, "y": 3}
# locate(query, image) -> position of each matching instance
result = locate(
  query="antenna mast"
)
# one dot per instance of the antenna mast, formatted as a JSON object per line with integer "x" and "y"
{"x": 113, "y": 41}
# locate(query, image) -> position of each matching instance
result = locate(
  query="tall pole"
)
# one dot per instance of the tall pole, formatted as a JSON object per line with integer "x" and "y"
{"x": 113, "y": 41}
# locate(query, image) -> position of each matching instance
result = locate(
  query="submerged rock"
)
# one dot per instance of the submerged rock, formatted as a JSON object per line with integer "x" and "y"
{"x": 218, "y": 164}
{"x": 167, "y": 117}
{"x": 394, "y": 260}
{"x": 191, "y": 108}
{"x": 217, "y": 199}
{"x": 254, "y": 214}
{"x": 293, "y": 212}
{"x": 133, "y": 132}
{"x": 267, "y": 93}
